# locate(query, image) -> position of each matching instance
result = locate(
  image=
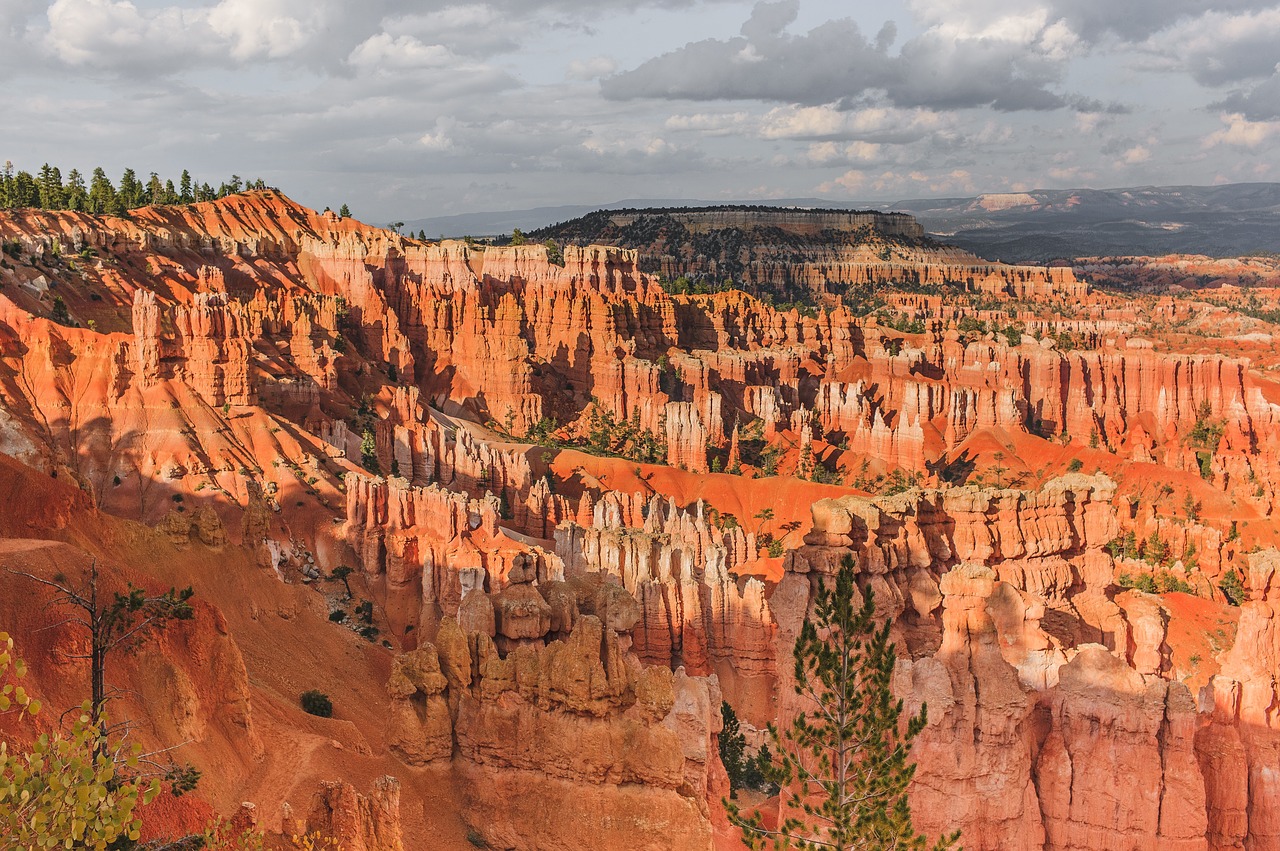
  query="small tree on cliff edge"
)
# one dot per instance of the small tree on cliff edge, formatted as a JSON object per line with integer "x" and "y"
{"x": 844, "y": 764}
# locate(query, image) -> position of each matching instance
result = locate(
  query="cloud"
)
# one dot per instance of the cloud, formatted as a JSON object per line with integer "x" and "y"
{"x": 111, "y": 33}
{"x": 1241, "y": 132}
{"x": 835, "y": 62}
{"x": 386, "y": 53}
{"x": 852, "y": 180}
{"x": 1260, "y": 103}
{"x": 1219, "y": 48}
{"x": 1089, "y": 20}
{"x": 708, "y": 123}
{"x": 1135, "y": 155}
{"x": 590, "y": 69}
{"x": 875, "y": 124}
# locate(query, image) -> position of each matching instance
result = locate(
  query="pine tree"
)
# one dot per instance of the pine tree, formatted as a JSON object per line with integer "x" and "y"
{"x": 77, "y": 197}
{"x": 844, "y": 764}
{"x": 102, "y": 194}
{"x": 344, "y": 212}
{"x": 131, "y": 190}
{"x": 369, "y": 453}
{"x": 51, "y": 193}
{"x": 6, "y": 183}
{"x": 733, "y": 748}
{"x": 184, "y": 188}
{"x": 25, "y": 192}
{"x": 155, "y": 190}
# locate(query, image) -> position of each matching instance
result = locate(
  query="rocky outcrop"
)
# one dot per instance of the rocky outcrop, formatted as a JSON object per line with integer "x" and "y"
{"x": 1238, "y": 748}
{"x": 693, "y": 611}
{"x": 436, "y": 544}
{"x": 340, "y": 813}
{"x": 571, "y": 744}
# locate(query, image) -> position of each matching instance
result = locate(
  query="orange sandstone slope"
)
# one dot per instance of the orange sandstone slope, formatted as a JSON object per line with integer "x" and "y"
{"x": 579, "y": 511}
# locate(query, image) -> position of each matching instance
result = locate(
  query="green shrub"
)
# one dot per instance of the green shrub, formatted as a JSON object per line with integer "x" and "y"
{"x": 1232, "y": 587}
{"x": 316, "y": 703}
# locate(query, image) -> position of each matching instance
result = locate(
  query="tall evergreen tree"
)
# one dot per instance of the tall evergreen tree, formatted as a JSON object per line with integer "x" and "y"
{"x": 50, "y": 188}
{"x": 102, "y": 195}
{"x": 25, "y": 191}
{"x": 131, "y": 190}
{"x": 184, "y": 188}
{"x": 844, "y": 764}
{"x": 6, "y": 184}
{"x": 77, "y": 196}
{"x": 155, "y": 190}
{"x": 344, "y": 212}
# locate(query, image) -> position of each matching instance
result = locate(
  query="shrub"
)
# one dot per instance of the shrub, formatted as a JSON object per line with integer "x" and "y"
{"x": 1075, "y": 466}
{"x": 337, "y": 616}
{"x": 316, "y": 703}
{"x": 1232, "y": 587}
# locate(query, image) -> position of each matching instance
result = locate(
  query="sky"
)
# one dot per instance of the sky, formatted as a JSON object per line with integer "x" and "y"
{"x": 408, "y": 110}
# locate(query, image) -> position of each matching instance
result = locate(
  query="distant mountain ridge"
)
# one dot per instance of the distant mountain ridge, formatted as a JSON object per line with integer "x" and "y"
{"x": 1044, "y": 225}
{"x": 1034, "y": 226}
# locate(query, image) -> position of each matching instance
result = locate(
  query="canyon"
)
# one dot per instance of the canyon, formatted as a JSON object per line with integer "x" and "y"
{"x": 528, "y": 518}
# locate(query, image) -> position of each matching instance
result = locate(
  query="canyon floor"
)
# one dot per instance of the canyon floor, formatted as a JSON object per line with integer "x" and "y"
{"x": 528, "y": 514}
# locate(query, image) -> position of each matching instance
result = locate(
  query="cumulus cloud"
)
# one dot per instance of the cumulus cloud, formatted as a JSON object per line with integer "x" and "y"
{"x": 1135, "y": 155}
{"x": 1088, "y": 20}
{"x": 1259, "y": 103}
{"x": 876, "y": 124}
{"x": 835, "y": 61}
{"x": 116, "y": 33}
{"x": 1219, "y": 48}
{"x": 1240, "y": 132}
{"x": 385, "y": 52}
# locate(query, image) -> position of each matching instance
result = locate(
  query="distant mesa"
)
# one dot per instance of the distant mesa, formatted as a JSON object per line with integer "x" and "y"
{"x": 810, "y": 255}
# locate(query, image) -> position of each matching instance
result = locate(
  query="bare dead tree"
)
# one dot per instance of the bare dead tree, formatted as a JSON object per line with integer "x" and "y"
{"x": 116, "y": 622}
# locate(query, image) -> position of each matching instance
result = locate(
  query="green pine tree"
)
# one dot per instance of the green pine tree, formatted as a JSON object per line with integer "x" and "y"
{"x": 369, "y": 453}
{"x": 102, "y": 195}
{"x": 733, "y": 748}
{"x": 77, "y": 195}
{"x": 344, "y": 212}
{"x": 843, "y": 765}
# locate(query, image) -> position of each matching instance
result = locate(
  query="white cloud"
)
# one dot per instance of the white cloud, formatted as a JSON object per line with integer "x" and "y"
{"x": 1136, "y": 154}
{"x": 591, "y": 69}
{"x": 829, "y": 122}
{"x": 708, "y": 123}
{"x": 387, "y": 53}
{"x": 87, "y": 32}
{"x": 1219, "y": 47}
{"x": 852, "y": 180}
{"x": 1241, "y": 132}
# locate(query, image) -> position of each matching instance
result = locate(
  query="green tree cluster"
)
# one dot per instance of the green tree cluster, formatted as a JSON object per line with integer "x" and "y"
{"x": 745, "y": 769}
{"x": 48, "y": 190}
{"x": 607, "y": 435}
